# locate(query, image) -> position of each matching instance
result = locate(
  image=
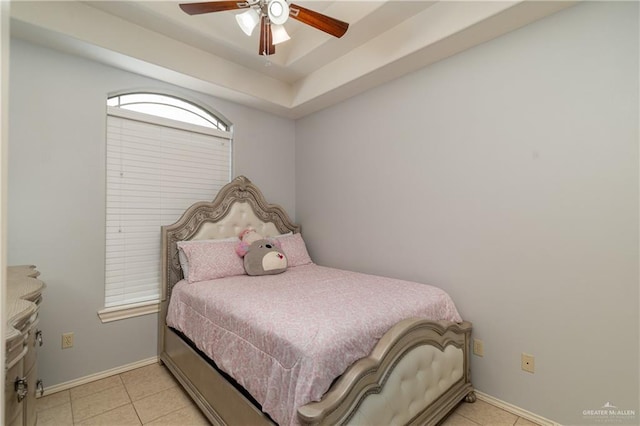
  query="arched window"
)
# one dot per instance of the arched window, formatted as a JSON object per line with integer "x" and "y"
{"x": 163, "y": 154}
{"x": 167, "y": 107}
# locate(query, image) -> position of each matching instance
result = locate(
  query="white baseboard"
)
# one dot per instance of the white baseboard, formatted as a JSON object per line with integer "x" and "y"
{"x": 97, "y": 376}
{"x": 520, "y": 412}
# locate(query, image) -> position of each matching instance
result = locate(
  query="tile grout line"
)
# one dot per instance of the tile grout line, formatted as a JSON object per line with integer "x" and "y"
{"x": 470, "y": 419}
{"x": 129, "y": 396}
{"x": 166, "y": 414}
{"x": 148, "y": 396}
{"x": 121, "y": 383}
{"x": 99, "y": 414}
{"x": 73, "y": 420}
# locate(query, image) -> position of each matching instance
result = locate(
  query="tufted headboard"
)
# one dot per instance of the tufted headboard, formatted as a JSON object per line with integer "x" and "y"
{"x": 238, "y": 205}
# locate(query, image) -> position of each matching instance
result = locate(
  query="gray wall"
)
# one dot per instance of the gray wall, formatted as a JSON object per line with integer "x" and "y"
{"x": 507, "y": 175}
{"x": 56, "y": 202}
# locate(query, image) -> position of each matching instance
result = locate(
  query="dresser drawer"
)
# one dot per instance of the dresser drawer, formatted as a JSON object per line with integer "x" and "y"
{"x": 30, "y": 400}
{"x": 13, "y": 407}
{"x": 15, "y": 350}
{"x": 32, "y": 346}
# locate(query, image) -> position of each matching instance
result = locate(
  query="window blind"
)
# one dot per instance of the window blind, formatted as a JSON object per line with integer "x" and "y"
{"x": 155, "y": 169}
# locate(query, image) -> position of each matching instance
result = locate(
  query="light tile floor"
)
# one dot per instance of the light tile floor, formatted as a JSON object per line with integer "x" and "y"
{"x": 481, "y": 413}
{"x": 150, "y": 396}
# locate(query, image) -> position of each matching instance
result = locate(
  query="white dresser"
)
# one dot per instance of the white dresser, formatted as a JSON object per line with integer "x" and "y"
{"x": 24, "y": 294}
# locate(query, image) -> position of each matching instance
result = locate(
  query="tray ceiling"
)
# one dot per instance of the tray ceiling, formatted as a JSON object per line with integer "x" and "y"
{"x": 209, "y": 53}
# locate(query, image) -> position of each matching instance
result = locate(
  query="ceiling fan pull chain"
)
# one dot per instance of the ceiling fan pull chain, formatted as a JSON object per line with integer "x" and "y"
{"x": 264, "y": 39}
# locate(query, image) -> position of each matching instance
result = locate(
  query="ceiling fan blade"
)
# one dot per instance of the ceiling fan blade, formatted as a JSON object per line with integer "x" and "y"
{"x": 317, "y": 20}
{"x": 266, "y": 38}
{"x": 212, "y": 6}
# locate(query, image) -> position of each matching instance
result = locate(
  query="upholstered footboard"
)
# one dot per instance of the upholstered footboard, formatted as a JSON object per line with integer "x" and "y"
{"x": 416, "y": 374}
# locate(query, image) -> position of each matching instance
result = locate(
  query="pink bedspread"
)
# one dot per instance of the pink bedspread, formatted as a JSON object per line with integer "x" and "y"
{"x": 286, "y": 337}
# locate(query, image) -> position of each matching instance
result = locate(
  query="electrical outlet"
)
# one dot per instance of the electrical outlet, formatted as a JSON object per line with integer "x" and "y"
{"x": 67, "y": 340}
{"x": 478, "y": 347}
{"x": 528, "y": 363}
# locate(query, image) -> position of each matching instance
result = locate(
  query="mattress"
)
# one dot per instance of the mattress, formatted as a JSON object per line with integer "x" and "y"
{"x": 286, "y": 337}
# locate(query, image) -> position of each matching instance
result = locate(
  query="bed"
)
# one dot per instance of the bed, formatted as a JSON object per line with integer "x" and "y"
{"x": 416, "y": 372}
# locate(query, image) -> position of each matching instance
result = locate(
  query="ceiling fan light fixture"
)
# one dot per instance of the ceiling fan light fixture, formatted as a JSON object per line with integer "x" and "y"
{"x": 248, "y": 20}
{"x": 278, "y": 11}
{"x": 279, "y": 34}
{"x": 269, "y": 13}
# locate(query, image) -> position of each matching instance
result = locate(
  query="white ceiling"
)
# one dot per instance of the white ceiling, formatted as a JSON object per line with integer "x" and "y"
{"x": 313, "y": 70}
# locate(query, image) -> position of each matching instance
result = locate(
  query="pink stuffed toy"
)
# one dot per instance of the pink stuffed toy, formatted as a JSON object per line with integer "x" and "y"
{"x": 249, "y": 235}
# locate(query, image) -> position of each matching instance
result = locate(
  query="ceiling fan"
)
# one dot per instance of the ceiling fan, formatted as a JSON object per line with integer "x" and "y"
{"x": 270, "y": 15}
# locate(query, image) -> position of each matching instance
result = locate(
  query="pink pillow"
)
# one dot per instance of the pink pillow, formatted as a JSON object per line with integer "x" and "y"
{"x": 211, "y": 259}
{"x": 293, "y": 246}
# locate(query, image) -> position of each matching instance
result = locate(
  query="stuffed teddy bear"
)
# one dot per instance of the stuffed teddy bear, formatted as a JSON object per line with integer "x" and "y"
{"x": 261, "y": 256}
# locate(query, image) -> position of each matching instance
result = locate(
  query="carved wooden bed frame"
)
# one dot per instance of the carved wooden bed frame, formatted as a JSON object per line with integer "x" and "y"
{"x": 431, "y": 358}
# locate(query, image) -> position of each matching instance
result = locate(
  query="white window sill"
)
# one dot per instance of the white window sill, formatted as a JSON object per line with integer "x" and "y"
{"x": 128, "y": 311}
